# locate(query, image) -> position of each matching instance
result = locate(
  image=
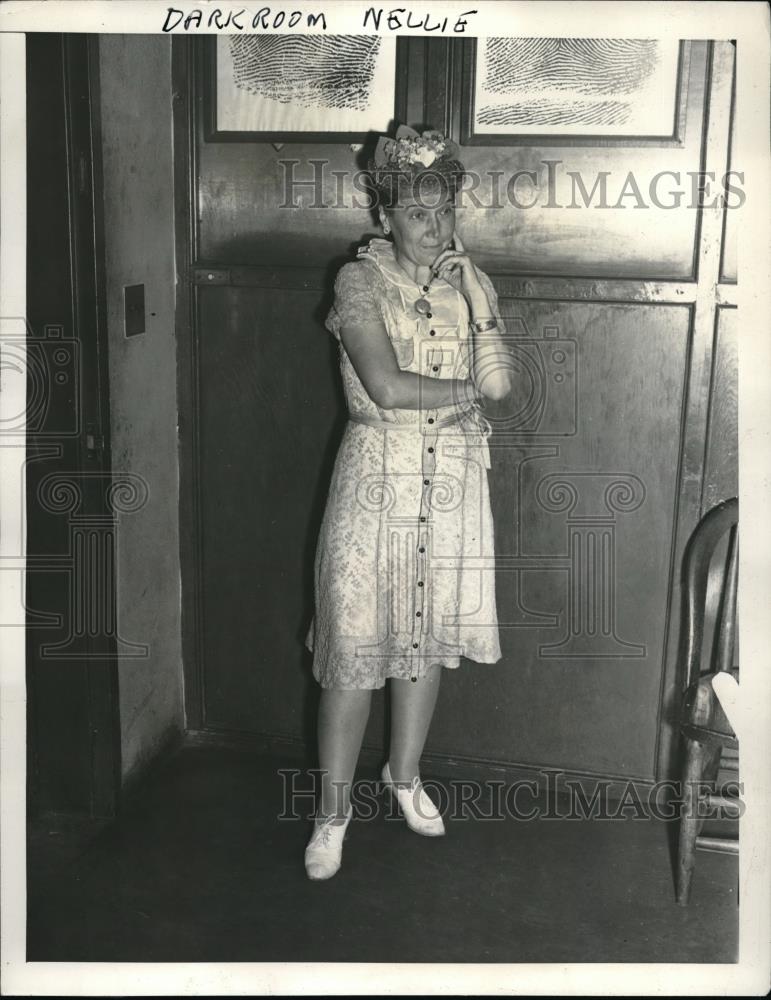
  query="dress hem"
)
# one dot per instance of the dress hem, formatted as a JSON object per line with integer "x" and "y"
{"x": 396, "y": 677}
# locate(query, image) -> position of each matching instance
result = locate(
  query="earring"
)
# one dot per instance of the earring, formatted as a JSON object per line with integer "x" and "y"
{"x": 386, "y": 228}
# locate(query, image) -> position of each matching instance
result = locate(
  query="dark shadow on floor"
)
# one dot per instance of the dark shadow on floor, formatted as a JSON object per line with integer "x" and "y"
{"x": 200, "y": 868}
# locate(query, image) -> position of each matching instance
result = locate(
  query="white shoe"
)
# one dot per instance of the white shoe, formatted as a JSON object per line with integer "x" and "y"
{"x": 417, "y": 808}
{"x": 324, "y": 852}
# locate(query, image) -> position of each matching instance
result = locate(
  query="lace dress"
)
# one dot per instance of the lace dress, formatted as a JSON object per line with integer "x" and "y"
{"x": 404, "y": 570}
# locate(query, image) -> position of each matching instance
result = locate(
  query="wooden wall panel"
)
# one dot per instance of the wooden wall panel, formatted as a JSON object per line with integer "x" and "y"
{"x": 631, "y": 237}
{"x": 268, "y": 455}
{"x": 244, "y": 216}
{"x": 729, "y": 257}
{"x": 594, "y": 702}
{"x": 721, "y": 473}
{"x": 618, "y": 296}
{"x": 271, "y": 415}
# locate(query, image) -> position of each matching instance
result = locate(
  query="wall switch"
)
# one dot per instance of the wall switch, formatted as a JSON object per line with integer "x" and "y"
{"x": 134, "y": 309}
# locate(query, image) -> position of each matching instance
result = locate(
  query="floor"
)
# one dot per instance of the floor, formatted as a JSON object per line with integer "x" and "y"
{"x": 199, "y": 868}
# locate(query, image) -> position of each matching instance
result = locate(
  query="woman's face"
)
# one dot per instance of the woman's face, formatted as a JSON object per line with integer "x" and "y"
{"x": 421, "y": 231}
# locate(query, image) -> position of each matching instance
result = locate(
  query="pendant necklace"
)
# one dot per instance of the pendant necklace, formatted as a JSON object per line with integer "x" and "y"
{"x": 422, "y": 305}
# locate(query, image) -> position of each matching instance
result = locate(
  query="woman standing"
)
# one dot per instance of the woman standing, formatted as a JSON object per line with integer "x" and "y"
{"x": 404, "y": 568}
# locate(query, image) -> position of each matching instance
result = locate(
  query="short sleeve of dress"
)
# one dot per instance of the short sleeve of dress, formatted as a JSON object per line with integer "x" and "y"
{"x": 356, "y": 297}
{"x": 492, "y": 298}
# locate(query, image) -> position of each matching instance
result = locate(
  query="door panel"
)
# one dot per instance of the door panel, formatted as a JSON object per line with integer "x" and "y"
{"x": 270, "y": 413}
{"x": 722, "y": 463}
{"x": 584, "y": 528}
{"x": 73, "y": 736}
{"x": 270, "y": 418}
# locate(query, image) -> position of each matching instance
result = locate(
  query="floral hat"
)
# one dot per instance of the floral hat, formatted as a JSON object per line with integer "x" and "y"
{"x": 402, "y": 163}
{"x": 408, "y": 149}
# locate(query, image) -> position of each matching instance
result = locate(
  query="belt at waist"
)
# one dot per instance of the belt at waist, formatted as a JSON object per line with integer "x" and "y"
{"x": 470, "y": 420}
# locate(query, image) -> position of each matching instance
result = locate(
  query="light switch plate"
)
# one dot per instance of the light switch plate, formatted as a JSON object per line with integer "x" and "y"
{"x": 134, "y": 309}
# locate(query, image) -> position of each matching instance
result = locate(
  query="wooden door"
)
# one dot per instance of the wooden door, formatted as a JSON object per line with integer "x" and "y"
{"x": 599, "y": 470}
{"x": 73, "y": 735}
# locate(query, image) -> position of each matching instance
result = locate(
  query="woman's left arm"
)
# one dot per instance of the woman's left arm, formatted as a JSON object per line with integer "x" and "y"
{"x": 490, "y": 360}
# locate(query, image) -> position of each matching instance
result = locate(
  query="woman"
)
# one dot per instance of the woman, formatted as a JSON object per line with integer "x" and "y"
{"x": 404, "y": 571}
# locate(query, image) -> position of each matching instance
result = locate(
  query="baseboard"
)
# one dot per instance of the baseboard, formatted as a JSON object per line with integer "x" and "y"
{"x": 437, "y": 765}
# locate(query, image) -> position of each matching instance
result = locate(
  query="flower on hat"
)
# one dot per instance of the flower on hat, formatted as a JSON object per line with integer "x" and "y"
{"x": 402, "y": 160}
{"x": 409, "y": 148}
{"x": 425, "y": 156}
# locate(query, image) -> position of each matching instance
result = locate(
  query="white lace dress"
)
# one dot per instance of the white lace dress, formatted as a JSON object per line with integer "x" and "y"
{"x": 405, "y": 567}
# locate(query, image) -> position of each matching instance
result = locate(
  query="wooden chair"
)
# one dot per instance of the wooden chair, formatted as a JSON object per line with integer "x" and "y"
{"x": 704, "y": 728}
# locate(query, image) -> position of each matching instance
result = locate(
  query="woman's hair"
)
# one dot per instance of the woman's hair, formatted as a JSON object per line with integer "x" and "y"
{"x": 422, "y": 167}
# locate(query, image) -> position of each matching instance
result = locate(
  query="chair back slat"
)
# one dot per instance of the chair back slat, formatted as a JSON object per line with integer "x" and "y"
{"x": 701, "y": 546}
{"x": 725, "y": 629}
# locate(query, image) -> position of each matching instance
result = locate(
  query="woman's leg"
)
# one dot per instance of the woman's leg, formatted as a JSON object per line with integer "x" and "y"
{"x": 412, "y": 708}
{"x": 342, "y": 720}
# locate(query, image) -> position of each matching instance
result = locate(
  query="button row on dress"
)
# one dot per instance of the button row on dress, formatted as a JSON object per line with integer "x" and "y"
{"x": 424, "y": 505}
{"x": 428, "y": 464}
{"x": 424, "y": 502}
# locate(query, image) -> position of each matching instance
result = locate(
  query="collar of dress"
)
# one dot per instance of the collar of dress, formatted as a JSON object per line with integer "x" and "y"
{"x": 382, "y": 253}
